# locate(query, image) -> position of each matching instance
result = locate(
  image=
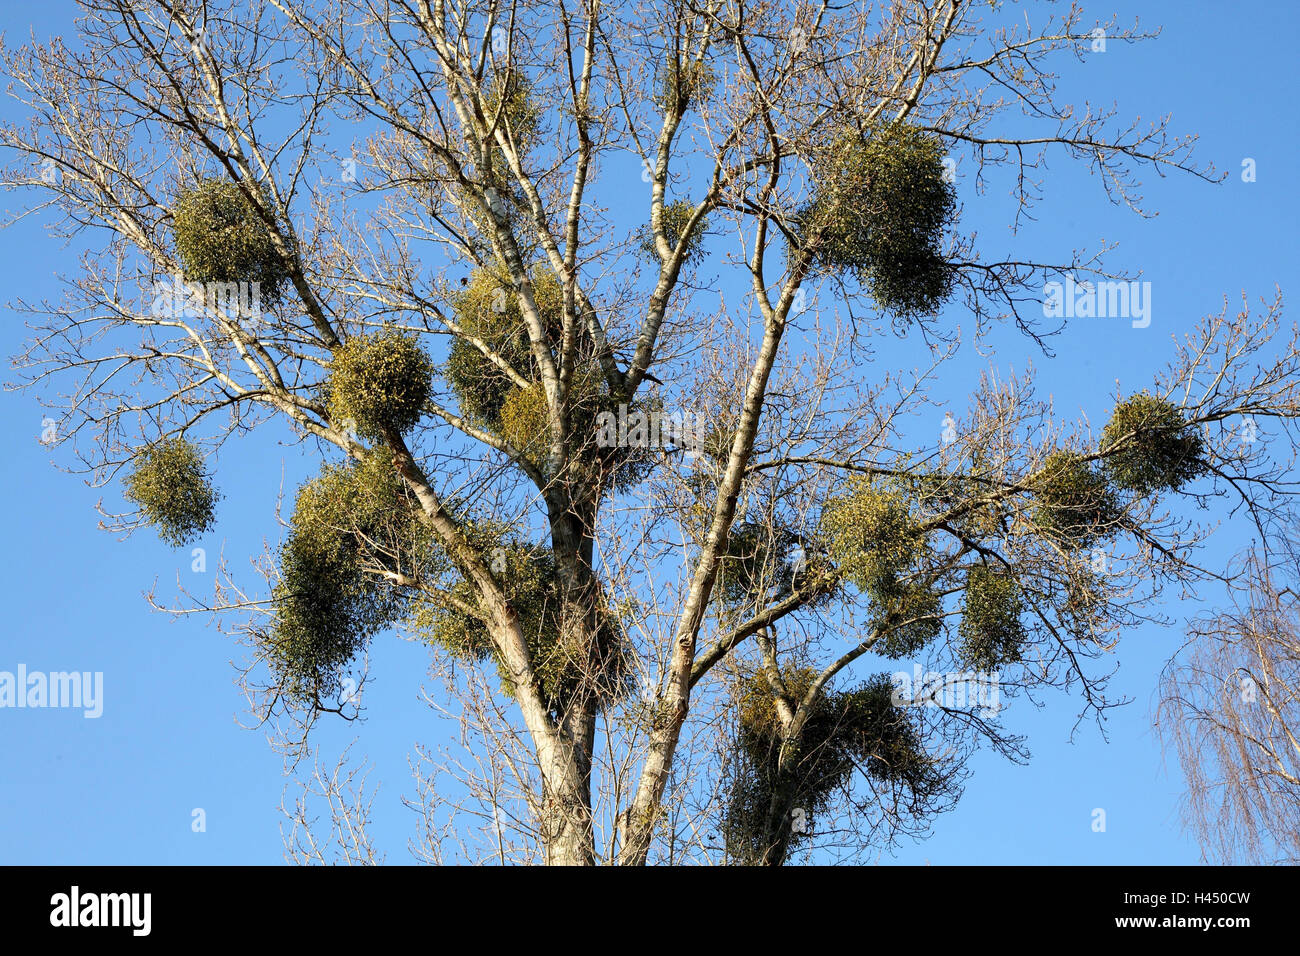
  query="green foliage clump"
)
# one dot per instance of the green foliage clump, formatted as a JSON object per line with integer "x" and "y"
{"x": 324, "y": 614}
{"x": 685, "y": 81}
{"x": 561, "y": 664}
{"x": 718, "y": 439}
{"x": 769, "y": 563}
{"x": 1151, "y": 446}
{"x": 488, "y": 309}
{"x": 509, "y": 103}
{"x": 364, "y": 505}
{"x": 757, "y": 563}
{"x": 858, "y": 728}
{"x": 221, "y": 237}
{"x": 991, "y": 630}
{"x": 526, "y": 419}
{"x": 348, "y": 523}
{"x": 1086, "y": 606}
{"x": 881, "y": 208}
{"x": 509, "y": 108}
{"x": 173, "y": 490}
{"x": 875, "y": 541}
{"x": 1074, "y": 501}
{"x": 380, "y": 382}
{"x": 676, "y": 216}
{"x": 442, "y": 618}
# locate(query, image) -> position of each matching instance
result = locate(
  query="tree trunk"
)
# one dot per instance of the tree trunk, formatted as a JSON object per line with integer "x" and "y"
{"x": 567, "y": 824}
{"x": 566, "y": 821}
{"x": 779, "y": 829}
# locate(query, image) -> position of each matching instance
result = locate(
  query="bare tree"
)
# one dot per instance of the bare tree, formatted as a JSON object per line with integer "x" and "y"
{"x": 1230, "y": 710}
{"x": 388, "y": 229}
{"x": 346, "y": 839}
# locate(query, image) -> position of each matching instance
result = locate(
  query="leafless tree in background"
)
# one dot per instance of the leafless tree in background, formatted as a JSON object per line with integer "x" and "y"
{"x": 346, "y": 839}
{"x": 1230, "y": 711}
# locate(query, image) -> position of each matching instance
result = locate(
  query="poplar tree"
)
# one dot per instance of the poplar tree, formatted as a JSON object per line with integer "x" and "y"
{"x": 478, "y": 231}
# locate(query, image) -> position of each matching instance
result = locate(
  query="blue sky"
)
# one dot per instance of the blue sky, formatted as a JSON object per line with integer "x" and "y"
{"x": 122, "y": 788}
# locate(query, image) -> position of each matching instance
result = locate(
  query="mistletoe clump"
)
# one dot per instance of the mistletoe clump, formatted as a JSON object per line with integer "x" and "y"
{"x": 510, "y": 105}
{"x": 843, "y": 731}
{"x": 510, "y": 111}
{"x": 380, "y": 382}
{"x": 561, "y": 664}
{"x": 676, "y": 217}
{"x": 221, "y": 237}
{"x": 991, "y": 630}
{"x": 487, "y": 309}
{"x": 173, "y": 490}
{"x": 757, "y": 563}
{"x": 1074, "y": 501}
{"x": 324, "y": 614}
{"x": 1151, "y": 446}
{"x": 770, "y": 562}
{"x": 365, "y": 506}
{"x": 348, "y": 524}
{"x": 881, "y": 209}
{"x": 878, "y": 546}
{"x": 526, "y": 419}
{"x": 686, "y": 81}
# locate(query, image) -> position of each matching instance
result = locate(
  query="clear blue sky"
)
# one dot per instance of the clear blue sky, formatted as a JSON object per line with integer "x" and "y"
{"x": 121, "y": 789}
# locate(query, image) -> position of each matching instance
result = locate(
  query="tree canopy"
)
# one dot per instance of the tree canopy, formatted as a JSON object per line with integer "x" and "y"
{"x": 534, "y": 290}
